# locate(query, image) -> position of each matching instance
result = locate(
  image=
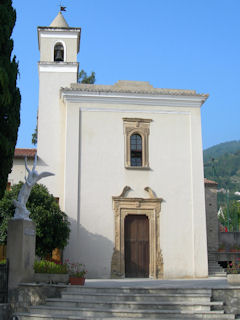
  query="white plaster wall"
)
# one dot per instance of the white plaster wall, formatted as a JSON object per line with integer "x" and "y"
{"x": 51, "y": 124}
{"x": 47, "y": 47}
{"x": 95, "y": 172}
{"x": 19, "y": 171}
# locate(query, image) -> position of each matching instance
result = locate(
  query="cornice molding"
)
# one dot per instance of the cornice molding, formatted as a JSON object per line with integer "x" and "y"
{"x": 133, "y": 99}
{"x": 57, "y": 34}
{"x": 128, "y": 110}
{"x": 58, "y": 67}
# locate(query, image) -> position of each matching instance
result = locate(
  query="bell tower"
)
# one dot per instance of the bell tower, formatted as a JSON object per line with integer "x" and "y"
{"x": 58, "y": 67}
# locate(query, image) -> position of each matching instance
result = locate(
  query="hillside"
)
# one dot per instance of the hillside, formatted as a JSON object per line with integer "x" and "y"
{"x": 220, "y": 149}
{"x": 222, "y": 164}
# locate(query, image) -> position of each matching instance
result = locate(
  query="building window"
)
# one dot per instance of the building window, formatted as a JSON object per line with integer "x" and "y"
{"x": 136, "y": 132}
{"x": 136, "y": 150}
{"x": 58, "y": 52}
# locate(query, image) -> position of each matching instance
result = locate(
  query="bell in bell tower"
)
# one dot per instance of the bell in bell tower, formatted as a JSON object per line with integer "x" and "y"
{"x": 58, "y": 52}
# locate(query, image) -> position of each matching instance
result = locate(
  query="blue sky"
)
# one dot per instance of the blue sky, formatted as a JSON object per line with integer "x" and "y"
{"x": 180, "y": 44}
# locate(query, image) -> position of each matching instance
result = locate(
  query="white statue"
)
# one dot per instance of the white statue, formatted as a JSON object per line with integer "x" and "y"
{"x": 21, "y": 211}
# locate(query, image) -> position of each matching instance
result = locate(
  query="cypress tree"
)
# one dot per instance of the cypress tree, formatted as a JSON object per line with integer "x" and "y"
{"x": 10, "y": 97}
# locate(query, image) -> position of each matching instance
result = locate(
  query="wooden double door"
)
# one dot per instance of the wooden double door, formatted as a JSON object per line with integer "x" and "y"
{"x": 136, "y": 230}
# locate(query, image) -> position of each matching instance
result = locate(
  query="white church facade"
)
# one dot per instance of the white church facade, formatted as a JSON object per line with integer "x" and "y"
{"x": 128, "y": 167}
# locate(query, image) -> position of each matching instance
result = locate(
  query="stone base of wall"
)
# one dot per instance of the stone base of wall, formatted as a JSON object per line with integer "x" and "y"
{"x": 30, "y": 294}
{"x": 5, "y": 311}
{"x": 230, "y": 297}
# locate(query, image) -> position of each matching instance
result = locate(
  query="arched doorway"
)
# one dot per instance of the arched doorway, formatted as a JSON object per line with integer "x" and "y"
{"x": 136, "y": 246}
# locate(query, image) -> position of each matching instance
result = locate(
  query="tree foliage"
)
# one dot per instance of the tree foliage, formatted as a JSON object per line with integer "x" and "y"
{"x": 230, "y": 215}
{"x": 84, "y": 78}
{"x": 52, "y": 225}
{"x": 9, "y": 94}
{"x": 34, "y": 136}
{"x": 225, "y": 170}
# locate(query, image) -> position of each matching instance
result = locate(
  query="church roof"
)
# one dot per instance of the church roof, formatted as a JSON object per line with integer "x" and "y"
{"x": 140, "y": 87}
{"x": 22, "y": 153}
{"x": 210, "y": 182}
{"x": 59, "y": 22}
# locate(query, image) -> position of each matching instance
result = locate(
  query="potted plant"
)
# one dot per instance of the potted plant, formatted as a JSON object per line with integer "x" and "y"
{"x": 233, "y": 273}
{"x": 50, "y": 272}
{"x": 221, "y": 248}
{"x": 235, "y": 248}
{"x": 77, "y": 273}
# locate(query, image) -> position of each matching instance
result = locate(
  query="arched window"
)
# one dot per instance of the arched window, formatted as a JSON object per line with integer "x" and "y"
{"x": 58, "y": 52}
{"x": 136, "y": 150}
{"x": 136, "y": 131}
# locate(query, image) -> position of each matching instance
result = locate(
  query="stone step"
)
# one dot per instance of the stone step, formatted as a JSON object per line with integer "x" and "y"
{"x": 131, "y": 290}
{"x": 134, "y": 305}
{"x": 180, "y": 297}
{"x": 214, "y": 264}
{"x": 216, "y": 270}
{"x": 26, "y": 316}
{"x": 86, "y": 303}
{"x": 218, "y": 274}
{"x": 161, "y": 315}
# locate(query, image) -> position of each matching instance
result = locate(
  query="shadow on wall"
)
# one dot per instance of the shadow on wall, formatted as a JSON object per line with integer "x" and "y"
{"x": 93, "y": 250}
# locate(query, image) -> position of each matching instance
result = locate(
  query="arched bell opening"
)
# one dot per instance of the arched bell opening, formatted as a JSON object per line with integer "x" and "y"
{"x": 58, "y": 52}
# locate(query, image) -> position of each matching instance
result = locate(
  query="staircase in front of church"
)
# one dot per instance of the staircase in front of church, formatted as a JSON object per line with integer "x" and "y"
{"x": 78, "y": 302}
{"x": 214, "y": 269}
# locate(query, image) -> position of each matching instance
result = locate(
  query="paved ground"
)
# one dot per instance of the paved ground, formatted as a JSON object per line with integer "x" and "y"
{"x": 151, "y": 283}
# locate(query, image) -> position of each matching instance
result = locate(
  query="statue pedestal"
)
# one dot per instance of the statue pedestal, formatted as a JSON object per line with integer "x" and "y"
{"x": 20, "y": 251}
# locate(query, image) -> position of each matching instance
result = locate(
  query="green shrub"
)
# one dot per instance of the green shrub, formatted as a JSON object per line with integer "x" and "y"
{"x": 52, "y": 225}
{"x": 3, "y": 261}
{"x": 44, "y": 266}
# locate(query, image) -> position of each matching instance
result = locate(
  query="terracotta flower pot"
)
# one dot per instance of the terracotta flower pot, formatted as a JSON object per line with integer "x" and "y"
{"x": 76, "y": 281}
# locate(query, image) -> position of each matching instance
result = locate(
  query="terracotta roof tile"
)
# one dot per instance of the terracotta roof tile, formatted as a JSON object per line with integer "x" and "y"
{"x": 138, "y": 87}
{"x": 22, "y": 153}
{"x": 206, "y": 181}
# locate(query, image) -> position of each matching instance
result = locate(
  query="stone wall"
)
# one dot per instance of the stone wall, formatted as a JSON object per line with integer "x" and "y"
{"x": 5, "y": 311}
{"x": 229, "y": 239}
{"x": 230, "y": 297}
{"x": 211, "y": 215}
{"x": 31, "y": 294}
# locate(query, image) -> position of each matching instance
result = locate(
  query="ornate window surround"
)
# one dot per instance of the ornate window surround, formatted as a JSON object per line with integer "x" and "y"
{"x": 151, "y": 208}
{"x": 141, "y": 127}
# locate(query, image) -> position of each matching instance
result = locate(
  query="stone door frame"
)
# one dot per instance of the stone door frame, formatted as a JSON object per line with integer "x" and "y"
{"x": 138, "y": 206}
